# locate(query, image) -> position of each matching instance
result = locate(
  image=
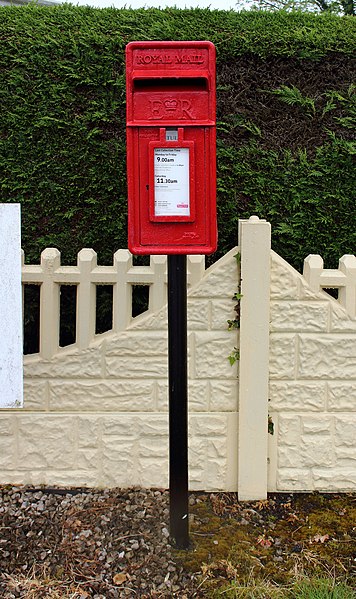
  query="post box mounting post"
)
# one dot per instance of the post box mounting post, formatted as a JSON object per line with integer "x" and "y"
{"x": 178, "y": 400}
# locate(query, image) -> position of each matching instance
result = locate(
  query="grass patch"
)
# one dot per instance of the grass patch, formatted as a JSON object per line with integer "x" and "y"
{"x": 320, "y": 588}
{"x": 288, "y": 546}
{"x": 39, "y": 584}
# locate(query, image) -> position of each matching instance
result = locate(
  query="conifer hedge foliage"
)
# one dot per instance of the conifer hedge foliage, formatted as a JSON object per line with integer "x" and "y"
{"x": 286, "y": 124}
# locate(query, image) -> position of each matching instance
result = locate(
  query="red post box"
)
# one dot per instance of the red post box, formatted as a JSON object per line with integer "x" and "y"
{"x": 171, "y": 151}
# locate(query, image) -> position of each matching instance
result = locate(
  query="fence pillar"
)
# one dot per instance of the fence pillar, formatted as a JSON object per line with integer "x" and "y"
{"x": 255, "y": 246}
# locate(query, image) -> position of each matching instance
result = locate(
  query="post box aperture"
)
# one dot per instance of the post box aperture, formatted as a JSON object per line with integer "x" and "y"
{"x": 171, "y": 154}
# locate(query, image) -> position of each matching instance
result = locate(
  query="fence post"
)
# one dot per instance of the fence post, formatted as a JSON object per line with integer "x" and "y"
{"x": 86, "y": 298}
{"x": 255, "y": 247}
{"x": 49, "y": 304}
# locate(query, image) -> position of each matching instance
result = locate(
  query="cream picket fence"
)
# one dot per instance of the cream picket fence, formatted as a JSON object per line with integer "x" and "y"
{"x": 122, "y": 275}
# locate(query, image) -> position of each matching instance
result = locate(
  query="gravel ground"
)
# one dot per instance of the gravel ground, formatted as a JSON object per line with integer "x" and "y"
{"x": 106, "y": 544}
{"x": 87, "y": 543}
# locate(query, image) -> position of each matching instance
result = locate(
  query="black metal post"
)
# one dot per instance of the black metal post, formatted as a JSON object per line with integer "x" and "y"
{"x": 178, "y": 400}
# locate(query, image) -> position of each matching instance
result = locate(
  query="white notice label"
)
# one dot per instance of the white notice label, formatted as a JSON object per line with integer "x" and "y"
{"x": 171, "y": 172}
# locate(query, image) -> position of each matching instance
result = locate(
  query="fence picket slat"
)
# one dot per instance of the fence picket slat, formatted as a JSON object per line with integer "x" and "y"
{"x": 86, "y": 298}
{"x": 49, "y": 303}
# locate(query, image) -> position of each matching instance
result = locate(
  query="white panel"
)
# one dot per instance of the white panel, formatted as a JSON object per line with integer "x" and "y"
{"x": 11, "y": 375}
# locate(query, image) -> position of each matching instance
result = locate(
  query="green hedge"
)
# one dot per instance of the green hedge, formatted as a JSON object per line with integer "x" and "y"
{"x": 286, "y": 124}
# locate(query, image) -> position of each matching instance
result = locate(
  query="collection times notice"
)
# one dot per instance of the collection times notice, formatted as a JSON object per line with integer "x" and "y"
{"x": 171, "y": 173}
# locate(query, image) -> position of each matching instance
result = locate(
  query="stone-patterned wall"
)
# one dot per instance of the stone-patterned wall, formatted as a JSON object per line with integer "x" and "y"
{"x": 99, "y": 416}
{"x": 312, "y": 387}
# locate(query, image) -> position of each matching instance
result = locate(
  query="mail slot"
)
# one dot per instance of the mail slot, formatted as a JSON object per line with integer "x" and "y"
{"x": 171, "y": 147}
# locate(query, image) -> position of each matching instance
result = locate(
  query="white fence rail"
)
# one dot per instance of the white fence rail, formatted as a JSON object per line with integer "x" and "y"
{"x": 122, "y": 275}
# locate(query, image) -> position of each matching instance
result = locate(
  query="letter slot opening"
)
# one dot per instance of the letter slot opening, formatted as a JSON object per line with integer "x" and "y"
{"x": 170, "y": 84}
